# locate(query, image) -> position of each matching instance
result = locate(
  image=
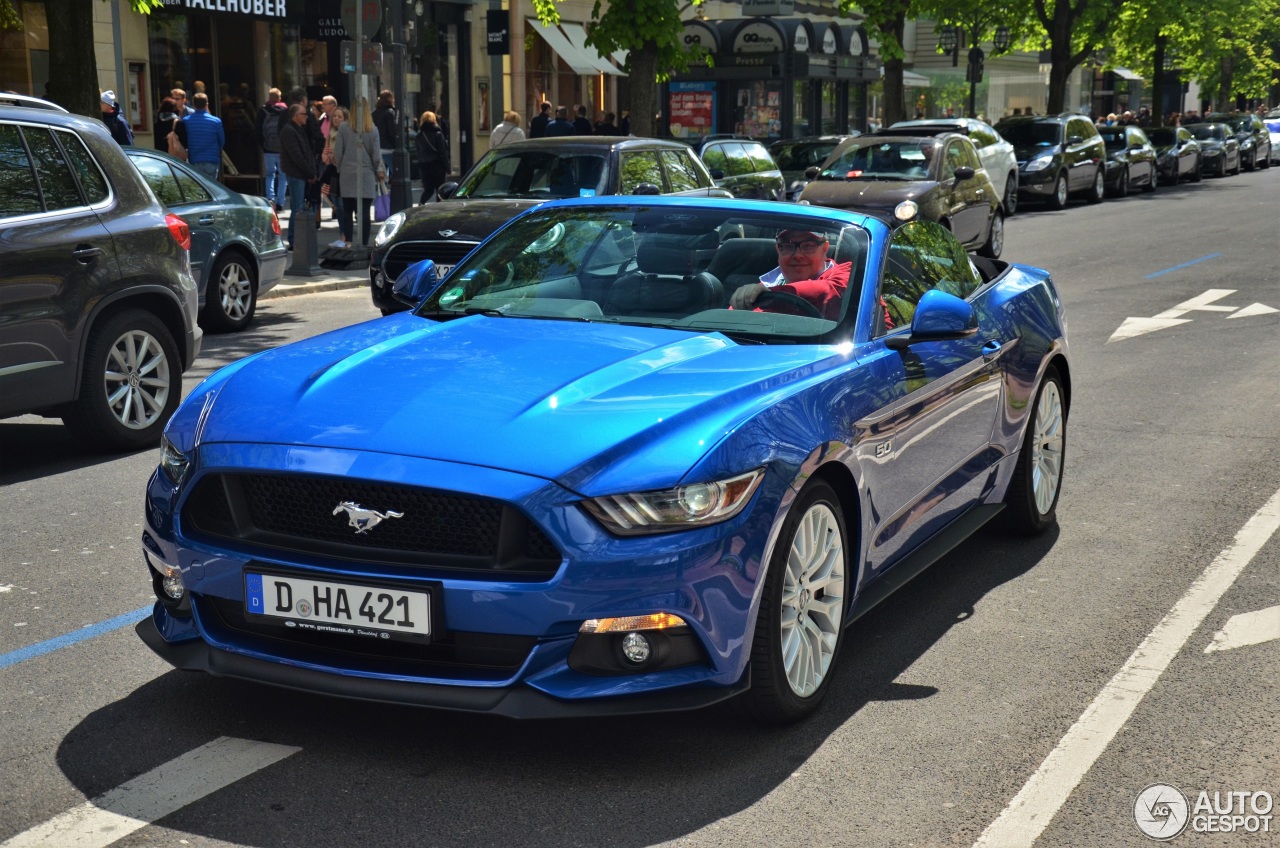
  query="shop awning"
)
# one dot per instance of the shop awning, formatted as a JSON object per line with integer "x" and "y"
{"x": 578, "y": 37}
{"x": 1125, "y": 73}
{"x": 573, "y": 57}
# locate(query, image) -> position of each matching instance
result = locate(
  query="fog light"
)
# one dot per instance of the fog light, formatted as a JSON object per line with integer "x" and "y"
{"x": 172, "y": 585}
{"x": 636, "y": 648}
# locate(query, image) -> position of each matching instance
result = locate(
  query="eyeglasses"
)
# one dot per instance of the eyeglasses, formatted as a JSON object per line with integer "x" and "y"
{"x": 804, "y": 248}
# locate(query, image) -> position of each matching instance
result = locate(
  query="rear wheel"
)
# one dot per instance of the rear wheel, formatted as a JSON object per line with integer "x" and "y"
{"x": 231, "y": 296}
{"x": 995, "y": 237}
{"x": 1011, "y": 194}
{"x": 800, "y": 627}
{"x": 1058, "y": 200}
{"x": 1099, "y": 189}
{"x": 1032, "y": 500}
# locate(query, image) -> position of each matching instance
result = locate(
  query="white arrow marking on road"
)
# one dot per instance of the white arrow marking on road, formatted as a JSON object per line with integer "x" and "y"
{"x": 1202, "y": 303}
{"x": 1173, "y": 317}
{"x": 1247, "y": 628}
{"x": 1138, "y": 326}
{"x": 163, "y": 790}
{"x": 1254, "y": 309}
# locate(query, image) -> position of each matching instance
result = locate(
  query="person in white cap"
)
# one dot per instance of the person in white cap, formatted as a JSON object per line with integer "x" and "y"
{"x": 115, "y": 122}
{"x": 803, "y": 271}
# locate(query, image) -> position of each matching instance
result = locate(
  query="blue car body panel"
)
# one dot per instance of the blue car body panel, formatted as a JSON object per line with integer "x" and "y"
{"x": 539, "y": 414}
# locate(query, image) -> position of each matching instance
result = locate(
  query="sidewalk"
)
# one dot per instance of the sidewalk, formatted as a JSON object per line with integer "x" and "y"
{"x": 328, "y": 279}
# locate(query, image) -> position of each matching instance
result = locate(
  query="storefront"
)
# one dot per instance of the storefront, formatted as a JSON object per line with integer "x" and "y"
{"x": 770, "y": 78}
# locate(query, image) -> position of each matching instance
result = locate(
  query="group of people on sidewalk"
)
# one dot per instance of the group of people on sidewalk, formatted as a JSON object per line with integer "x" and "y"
{"x": 191, "y": 132}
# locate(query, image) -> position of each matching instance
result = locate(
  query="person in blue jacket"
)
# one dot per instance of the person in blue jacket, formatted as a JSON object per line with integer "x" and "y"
{"x": 205, "y": 138}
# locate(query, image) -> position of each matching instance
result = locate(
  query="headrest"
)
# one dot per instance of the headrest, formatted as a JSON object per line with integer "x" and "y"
{"x": 667, "y": 261}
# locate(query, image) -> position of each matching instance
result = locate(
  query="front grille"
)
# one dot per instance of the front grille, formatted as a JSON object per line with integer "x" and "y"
{"x": 305, "y": 514}
{"x": 405, "y": 253}
{"x": 449, "y": 653}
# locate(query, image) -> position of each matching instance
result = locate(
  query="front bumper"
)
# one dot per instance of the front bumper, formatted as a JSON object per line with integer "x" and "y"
{"x": 1039, "y": 183}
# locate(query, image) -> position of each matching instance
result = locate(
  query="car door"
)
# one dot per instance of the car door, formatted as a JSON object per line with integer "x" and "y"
{"x": 1142, "y": 156}
{"x": 966, "y": 199}
{"x": 1187, "y": 152}
{"x": 186, "y": 197}
{"x": 933, "y": 442}
{"x": 57, "y": 260}
{"x": 1082, "y": 162}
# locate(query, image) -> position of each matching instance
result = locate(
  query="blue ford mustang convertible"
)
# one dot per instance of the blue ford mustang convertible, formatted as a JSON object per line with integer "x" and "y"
{"x": 630, "y": 454}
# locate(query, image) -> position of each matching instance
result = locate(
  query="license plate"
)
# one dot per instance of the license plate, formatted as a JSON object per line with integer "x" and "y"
{"x": 441, "y": 270}
{"x": 348, "y": 608}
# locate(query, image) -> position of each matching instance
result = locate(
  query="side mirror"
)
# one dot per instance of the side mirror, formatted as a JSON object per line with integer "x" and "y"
{"x": 446, "y": 190}
{"x": 811, "y": 172}
{"x": 938, "y": 317}
{"x": 647, "y": 188}
{"x": 416, "y": 283}
{"x": 964, "y": 172}
{"x": 717, "y": 174}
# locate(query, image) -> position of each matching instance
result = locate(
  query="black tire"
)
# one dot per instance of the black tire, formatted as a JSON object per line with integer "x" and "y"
{"x": 1058, "y": 200}
{"x": 1011, "y": 194}
{"x": 231, "y": 294}
{"x": 1099, "y": 189}
{"x": 1198, "y": 174}
{"x": 1122, "y": 188}
{"x": 115, "y": 383}
{"x": 1252, "y": 163}
{"x": 1222, "y": 167}
{"x": 1154, "y": 182}
{"x": 994, "y": 245}
{"x": 790, "y": 603}
{"x": 1031, "y": 504}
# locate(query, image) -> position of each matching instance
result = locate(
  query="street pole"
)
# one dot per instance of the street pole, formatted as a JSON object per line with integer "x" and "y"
{"x": 401, "y": 184}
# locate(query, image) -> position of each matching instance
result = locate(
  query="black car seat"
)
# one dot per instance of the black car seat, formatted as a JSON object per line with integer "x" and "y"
{"x": 740, "y": 261}
{"x": 668, "y": 281}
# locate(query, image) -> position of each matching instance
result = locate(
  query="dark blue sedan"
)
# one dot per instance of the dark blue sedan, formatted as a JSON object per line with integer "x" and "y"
{"x": 574, "y": 480}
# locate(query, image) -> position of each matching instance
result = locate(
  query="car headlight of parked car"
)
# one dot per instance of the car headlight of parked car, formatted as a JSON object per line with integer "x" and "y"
{"x": 1039, "y": 163}
{"x": 173, "y": 462}
{"x": 389, "y": 228}
{"x": 680, "y": 508}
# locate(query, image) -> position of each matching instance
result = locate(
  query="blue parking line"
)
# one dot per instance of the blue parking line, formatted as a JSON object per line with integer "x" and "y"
{"x": 86, "y": 632}
{"x": 1184, "y": 265}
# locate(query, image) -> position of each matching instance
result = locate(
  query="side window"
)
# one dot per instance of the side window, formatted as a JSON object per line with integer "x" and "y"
{"x": 636, "y": 168}
{"x": 57, "y": 183}
{"x": 713, "y": 157}
{"x": 1184, "y": 135}
{"x": 982, "y": 135}
{"x": 681, "y": 172}
{"x": 922, "y": 256}
{"x": 18, "y": 192}
{"x": 760, "y": 158}
{"x": 91, "y": 179}
{"x": 956, "y": 158}
{"x": 160, "y": 177}
{"x": 192, "y": 191}
{"x": 971, "y": 155}
{"x": 739, "y": 163}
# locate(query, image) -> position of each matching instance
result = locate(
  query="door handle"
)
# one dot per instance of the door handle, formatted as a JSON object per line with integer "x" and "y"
{"x": 205, "y": 219}
{"x": 86, "y": 253}
{"x": 991, "y": 349}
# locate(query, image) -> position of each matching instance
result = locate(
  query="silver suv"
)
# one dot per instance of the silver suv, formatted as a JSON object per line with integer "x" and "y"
{"x": 97, "y": 303}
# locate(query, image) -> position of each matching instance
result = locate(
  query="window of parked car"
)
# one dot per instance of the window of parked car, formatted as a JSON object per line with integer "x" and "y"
{"x": 57, "y": 184}
{"x": 738, "y": 160}
{"x": 959, "y": 155}
{"x": 922, "y": 256}
{"x": 982, "y": 135}
{"x": 715, "y": 160}
{"x": 19, "y": 194}
{"x": 636, "y": 167}
{"x": 1032, "y": 133}
{"x": 760, "y": 158}
{"x": 160, "y": 177}
{"x": 682, "y": 173}
{"x": 92, "y": 182}
{"x": 192, "y": 190}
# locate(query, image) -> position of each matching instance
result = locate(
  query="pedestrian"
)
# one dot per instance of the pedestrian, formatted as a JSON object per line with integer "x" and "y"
{"x": 205, "y": 138}
{"x": 624, "y": 128}
{"x": 433, "y": 155}
{"x": 581, "y": 126}
{"x": 560, "y": 127}
{"x": 270, "y": 118}
{"x": 170, "y": 121}
{"x": 330, "y": 180}
{"x": 538, "y": 126}
{"x": 180, "y": 97}
{"x": 114, "y": 121}
{"x": 360, "y": 168}
{"x": 385, "y": 118}
{"x": 507, "y": 131}
{"x": 607, "y": 126}
{"x": 297, "y": 161}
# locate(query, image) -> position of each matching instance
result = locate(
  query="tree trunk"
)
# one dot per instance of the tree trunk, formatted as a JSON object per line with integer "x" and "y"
{"x": 895, "y": 98}
{"x": 73, "y": 65}
{"x": 644, "y": 90}
{"x": 1061, "y": 66}
{"x": 1157, "y": 83}
{"x": 1226, "y": 81}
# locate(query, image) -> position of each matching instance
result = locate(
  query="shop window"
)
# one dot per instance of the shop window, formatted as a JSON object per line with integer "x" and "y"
{"x": 18, "y": 192}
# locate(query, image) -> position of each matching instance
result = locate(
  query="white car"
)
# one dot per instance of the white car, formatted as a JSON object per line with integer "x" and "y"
{"x": 1272, "y": 120}
{"x": 996, "y": 153}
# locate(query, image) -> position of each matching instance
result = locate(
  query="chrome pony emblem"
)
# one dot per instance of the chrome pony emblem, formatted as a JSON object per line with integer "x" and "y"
{"x": 448, "y": 233}
{"x": 363, "y": 519}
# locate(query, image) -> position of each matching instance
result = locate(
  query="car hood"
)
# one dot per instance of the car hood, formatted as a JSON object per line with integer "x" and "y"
{"x": 1022, "y": 153}
{"x": 863, "y": 194}
{"x": 470, "y": 220}
{"x": 578, "y": 403}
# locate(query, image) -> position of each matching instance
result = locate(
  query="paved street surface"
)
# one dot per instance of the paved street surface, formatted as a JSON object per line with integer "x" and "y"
{"x": 1019, "y": 693}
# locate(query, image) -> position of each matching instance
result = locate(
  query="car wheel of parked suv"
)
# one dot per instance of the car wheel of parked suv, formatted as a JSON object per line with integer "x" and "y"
{"x": 132, "y": 383}
{"x": 232, "y": 295}
{"x": 1058, "y": 200}
{"x": 1099, "y": 188}
{"x": 995, "y": 238}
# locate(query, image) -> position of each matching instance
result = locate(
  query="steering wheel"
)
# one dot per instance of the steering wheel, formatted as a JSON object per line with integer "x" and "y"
{"x": 808, "y": 309}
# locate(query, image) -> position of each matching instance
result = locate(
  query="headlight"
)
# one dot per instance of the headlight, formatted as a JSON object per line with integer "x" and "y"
{"x": 173, "y": 462}
{"x": 389, "y": 228}
{"x": 681, "y": 508}
{"x": 1248, "y": 144}
{"x": 1039, "y": 163}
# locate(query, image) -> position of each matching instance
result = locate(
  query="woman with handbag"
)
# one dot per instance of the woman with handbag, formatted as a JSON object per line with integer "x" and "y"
{"x": 169, "y": 121}
{"x": 355, "y": 152}
{"x": 433, "y": 154}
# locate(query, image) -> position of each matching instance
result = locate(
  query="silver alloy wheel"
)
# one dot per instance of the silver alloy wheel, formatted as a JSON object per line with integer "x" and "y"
{"x": 1099, "y": 185}
{"x": 812, "y": 600}
{"x": 235, "y": 290}
{"x": 136, "y": 379}
{"x": 1011, "y": 195}
{"x": 1061, "y": 190}
{"x": 1046, "y": 448}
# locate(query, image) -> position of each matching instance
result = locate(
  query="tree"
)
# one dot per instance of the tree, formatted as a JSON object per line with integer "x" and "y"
{"x": 886, "y": 22}
{"x": 1074, "y": 28}
{"x": 73, "y": 62}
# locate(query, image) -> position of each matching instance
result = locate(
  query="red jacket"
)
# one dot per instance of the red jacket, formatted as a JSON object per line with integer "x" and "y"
{"x": 824, "y": 291}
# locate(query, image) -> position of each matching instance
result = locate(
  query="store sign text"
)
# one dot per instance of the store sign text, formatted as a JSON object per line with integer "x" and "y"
{"x": 263, "y": 8}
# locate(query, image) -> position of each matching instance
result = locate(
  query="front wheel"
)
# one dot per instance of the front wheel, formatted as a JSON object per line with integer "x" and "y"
{"x": 1011, "y": 194}
{"x": 1153, "y": 180}
{"x": 1099, "y": 189}
{"x": 132, "y": 383}
{"x": 1058, "y": 200}
{"x": 231, "y": 296}
{"x": 995, "y": 237}
{"x": 1032, "y": 500}
{"x": 1122, "y": 188}
{"x": 1198, "y": 174}
{"x": 800, "y": 627}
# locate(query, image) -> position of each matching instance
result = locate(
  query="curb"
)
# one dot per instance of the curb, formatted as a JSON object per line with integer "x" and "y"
{"x": 291, "y": 289}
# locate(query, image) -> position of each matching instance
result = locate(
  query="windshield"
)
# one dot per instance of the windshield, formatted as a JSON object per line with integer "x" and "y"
{"x": 884, "y": 160}
{"x": 1208, "y": 132}
{"x": 667, "y": 265}
{"x": 1114, "y": 139}
{"x": 543, "y": 174}
{"x": 1162, "y": 136}
{"x": 1031, "y": 134}
{"x": 799, "y": 155}
{"x": 1240, "y": 123}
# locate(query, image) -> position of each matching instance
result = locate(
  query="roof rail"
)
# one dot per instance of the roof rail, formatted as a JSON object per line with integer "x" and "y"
{"x": 908, "y": 128}
{"x": 9, "y": 98}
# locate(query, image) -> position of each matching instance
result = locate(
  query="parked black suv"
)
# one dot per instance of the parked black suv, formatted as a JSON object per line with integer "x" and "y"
{"x": 517, "y": 176}
{"x": 1253, "y": 135}
{"x": 743, "y": 167}
{"x": 1057, "y": 157}
{"x": 97, "y": 303}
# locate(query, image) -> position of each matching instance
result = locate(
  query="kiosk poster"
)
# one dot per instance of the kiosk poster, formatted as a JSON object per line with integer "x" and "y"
{"x": 692, "y": 107}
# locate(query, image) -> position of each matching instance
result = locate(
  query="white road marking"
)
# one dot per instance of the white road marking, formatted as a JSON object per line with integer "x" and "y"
{"x": 1247, "y": 628}
{"x": 1035, "y": 805}
{"x": 1138, "y": 326}
{"x": 165, "y": 789}
{"x": 1132, "y": 327}
{"x": 1201, "y": 303}
{"x": 1254, "y": 309}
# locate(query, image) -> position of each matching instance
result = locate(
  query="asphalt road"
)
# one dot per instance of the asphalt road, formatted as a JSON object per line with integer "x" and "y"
{"x": 1052, "y": 671}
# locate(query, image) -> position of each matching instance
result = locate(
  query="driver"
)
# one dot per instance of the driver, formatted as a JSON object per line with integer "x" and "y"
{"x": 803, "y": 271}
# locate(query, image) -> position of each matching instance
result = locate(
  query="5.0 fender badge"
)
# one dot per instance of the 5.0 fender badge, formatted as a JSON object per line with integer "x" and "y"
{"x": 364, "y": 519}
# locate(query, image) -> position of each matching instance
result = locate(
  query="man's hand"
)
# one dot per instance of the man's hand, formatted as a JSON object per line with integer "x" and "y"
{"x": 744, "y": 297}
